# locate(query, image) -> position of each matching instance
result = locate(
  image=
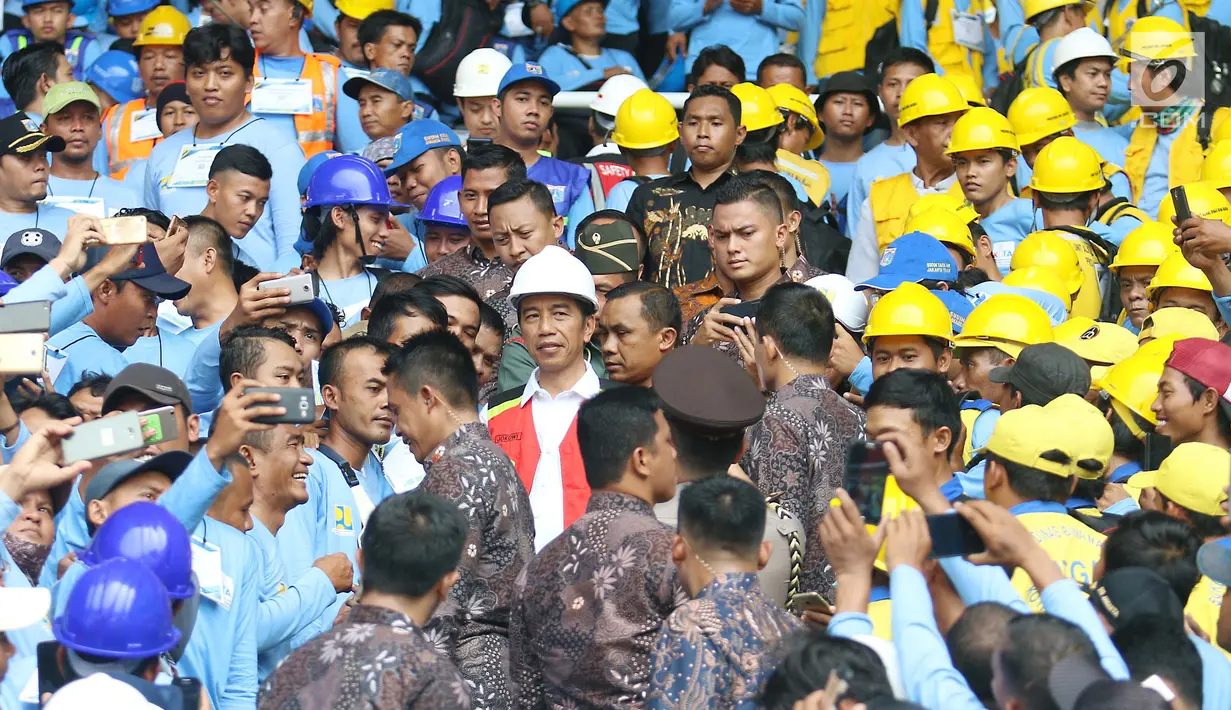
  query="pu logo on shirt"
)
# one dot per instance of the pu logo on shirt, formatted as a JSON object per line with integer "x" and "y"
{"x": 557, "y": 192}
{"x": 343, "y": 523}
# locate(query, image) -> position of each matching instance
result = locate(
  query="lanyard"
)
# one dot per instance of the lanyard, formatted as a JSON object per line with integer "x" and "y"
{"x": 229, "y": 135}
{"x": 91, "y": 194}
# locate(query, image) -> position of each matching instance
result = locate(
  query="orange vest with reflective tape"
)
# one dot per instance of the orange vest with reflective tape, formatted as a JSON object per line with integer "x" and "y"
{"x": 122, "y": 151}
{"x": 315, "y": 131}
{"x": 891, "y": 200}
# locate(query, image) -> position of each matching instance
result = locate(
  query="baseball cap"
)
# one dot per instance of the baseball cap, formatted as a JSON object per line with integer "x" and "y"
{"x": 320, "y": 309}
{"x": 381, "y": 149}
{"x": 61, "y": 95}
{"x": 1045, "y": 371}
{"x": 20, "y": 134}
{"x": 959, "y": 308}
{"x": 35, "y": 241}
{"x": 170, "y": 464}
{"x": 418, "y": 137}
{"x": 387, "y": 79}
{"x": 1128, "y": 593}
{"x": 566, "y": 6}
{"x": 1024, "y": 435}
{"x": 1194, "y": 476}
{"x": 1182, "y": 322}
{"x": 912, "y": 258}
{"x": 157, "y": 384}
{"x": 528, "y": 71}
{"x": 305, "y": 173}
{"x": 1214, "y": 560}
{"x": 1089, "y": 438}
{"x": 1099, "y": 344}
{"x": 609, "y": 248}
{"x": 1072, "y": 677}
{"x": 147, "y": 272}
{"x": 1207, "y": 362}
{"x": 22, "y": 606}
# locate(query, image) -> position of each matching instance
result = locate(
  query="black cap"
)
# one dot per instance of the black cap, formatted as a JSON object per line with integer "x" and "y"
{"x": 848, "y": 82}
{"x": 1131, "y": 592}
{"x": 35, "y": 241}
{"x": 706, "y": 391}
{"x": 157, "y": 384}
{"x": 1045, "y": 371}
{"x": 146, "y": 271}
{"x": 170, "y": 463}
{"x": 19, "y": 134}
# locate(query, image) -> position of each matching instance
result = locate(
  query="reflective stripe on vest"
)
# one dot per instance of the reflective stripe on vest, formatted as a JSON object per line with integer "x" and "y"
{"x": 1123, "y": 209}
{"x": 845, "y": 32}
{"x": 891, "y": 200}
{"x": 72, "y": 49}
{"x": 122, "y": 151}
{"x": 315, "y": 131}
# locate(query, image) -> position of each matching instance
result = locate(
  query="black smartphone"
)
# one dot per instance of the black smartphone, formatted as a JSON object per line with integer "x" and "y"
{"x": 472, "y": 143}
{"x": 32, "y": 317}
{"x": 1158, "y": 447}
{"x": 1180, "y": 199}
{"x": 190, "y": 689}
{"x": 864, "y": 479}
{"x": 744, "y": 309}
{"x": 299, "y": 403}
{"x": 953, "y": 536}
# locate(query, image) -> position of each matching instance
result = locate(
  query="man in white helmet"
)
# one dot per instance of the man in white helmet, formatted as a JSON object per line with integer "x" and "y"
{"x": 476, "y": 86}
{"x": 608, "y": 166}
{"x": 1085, "y": 64}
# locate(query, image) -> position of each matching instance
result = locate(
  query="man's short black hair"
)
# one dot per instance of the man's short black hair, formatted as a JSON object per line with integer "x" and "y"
{"x": 811, "y": 655}
{"x": 372, "y": 28}
{"x": 54, "y": 405}
{"x": 209, "y": 43}
{"x": 437, "y": 359}
{"x": 24, "y": 68}
{"x": 243, "y": 351}
{"x": 333, "y": 358}
{"x": 491, "y": 319}
{"x": 514, "y": 190}
{"x": 905, "y": 55}
{"x": 972, "y": 641}
{"x": 1035, "y": 644}
{"x": 723, "y": 514}
{"x": 387, "y": 310}
{"x": 610, "y": 427}
{"x": 1065, "y": 201}
{"x": 781, "y": 59}
{"x": 393, "y": 282}
{"x": 719, "y": 54}
{"x": 799, "y": 319}
{"x": 1156, "y": 541}
{"x": 206, "y": 233}
{"x": 486, "y": 157}
{"x": 755, "y": 153}
{"x": 925, "y": 394}
{"x": 1204, "y": 524}
{"x": 96, "y": 382}
{"x": 1125, "y": 442}
{"x": 660, "y": 307}
{"x": 742, "y": 188}
{"x": 1154, "y": 645}
{"x": 242, "y": 159}
{"x": 438, "y": 529}
{"x": 779, "y": 184}
{"x": 718, "y": 92}
{"x": 704, "y": 454}
{"x": 438, "y": 285}
{"x": 1033, "y": 484}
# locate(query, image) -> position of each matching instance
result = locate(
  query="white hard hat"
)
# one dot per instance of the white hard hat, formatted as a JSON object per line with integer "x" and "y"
{"x": 21, "y": 607}
{"x": 612, "y": 94}
{"x": 850, "y": 308}
{"x": 101, "y": 692}
{"x": 554, "y": 270}
{"x": 479, "y": 73}
{"x": 1083, "y": 43}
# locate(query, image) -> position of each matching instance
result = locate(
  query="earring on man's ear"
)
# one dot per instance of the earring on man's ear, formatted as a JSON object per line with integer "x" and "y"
{"x": 782, "y": 258}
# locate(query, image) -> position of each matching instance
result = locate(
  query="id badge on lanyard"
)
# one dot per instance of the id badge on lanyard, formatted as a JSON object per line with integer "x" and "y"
{"x": 282, "y": 96}
{"x": 192, "y": 167}
{"x": 143, "y": 125}
{"x": 967, "y": 30}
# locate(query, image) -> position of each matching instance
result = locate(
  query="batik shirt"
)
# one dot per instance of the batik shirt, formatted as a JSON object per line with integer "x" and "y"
{"x": 375, "y": 658}
{"x": 488, "y": 276}
{"x": 473, "y": 623}
{"x": 797, "y": 452}
{"x": 674, "y": 214}
{"x": 717, "y": 650}
{"x": 591, "y": 607}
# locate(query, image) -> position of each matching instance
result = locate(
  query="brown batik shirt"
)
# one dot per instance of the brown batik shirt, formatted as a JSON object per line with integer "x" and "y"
{"x": 488, "y": 276}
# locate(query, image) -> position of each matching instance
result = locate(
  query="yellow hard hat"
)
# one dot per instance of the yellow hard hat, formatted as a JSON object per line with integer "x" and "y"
{"x": 1222, "y": 132}
{"x": 945, "y": 226}
{"x": 982, "y": 129}
{"x": 360, "y": 9}
{"x": 1155, "y": 38}
{"x": 1204, "y": 200}
{"x": 1179, "y": 322}
{"x": 930, "y": 95}
{"x": 757, "y": 107}
{"x": 1147, "y": 245}
{"x": 1042, "y": 279}
{"x": 1099, "y": 344}
{"x": 1132, "y": 384}
{"x": 1216, "y": 168}
{"x": 163, "y": 26}
{"x": 956, "y": 204}
{"x": 966, "y": 84}
{"x": 1040, "y": 112}
{"x": 1176, "y": 272}
{"x": 1034, "y": 7}
{"x": 790, "y": 98}
{"x": 1052, "y": 251}
{"x": 1067, "y": 166}
{"x": 909, "y": 309}
{"x": 1007, "y": 322}
{"x": 645, "y": 120}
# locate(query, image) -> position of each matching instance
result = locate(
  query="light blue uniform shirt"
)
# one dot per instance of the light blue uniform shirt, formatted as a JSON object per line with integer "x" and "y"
{"x": 621, "y": 18}
{"x": 85, "y": 352}
{"x": 272, "y": 240}
{"x": 167, "y": 350}
{"x": 622, "y": 193}
{"x": 972, "y": 480}
{"x": 351, "y": 295}
{"x": 1156, "y": 183}
{"x": 70, "y": 302}
{"x": 573, "y": 72}
{"x": 198, "y": 335}
{"x": 1215, "y": 675}
{"x": 569, "y": 186}
{"x": 202, "y": 376}
{"x": 290, "y": 68}
{"x": 881, "y": 162}
{"x": 840, "y": 177}
{"x": 1007, "y": 227}
{"x": 753, "y": 37}
{"x": 90, "y": 50}
{"x": 53, "y": 219}
{"x": 115, "y": 194}
{"x": 350, "y": 135}
{"x": 1109, "y": 144}
{"x": 286, "y": 607}
{"x": 25, "y": 640}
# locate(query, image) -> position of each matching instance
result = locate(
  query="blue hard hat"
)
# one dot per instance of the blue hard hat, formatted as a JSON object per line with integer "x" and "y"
{"x": 442, "y": 206}
{"x": 115, "y": 71}
{"x": 119, "y": 8}
{"x": 912, "y": 258}
{"x": 529, "y": 71}
{"x": 349, "y": 180}
{"x": 118, "y": 609}
{"x": 7, "y": 283}
{"x": 305, "y": 173}
{"x": 564, "y": 7}
{"x": 151, "y": 535}
{"x": 418, "y": 137}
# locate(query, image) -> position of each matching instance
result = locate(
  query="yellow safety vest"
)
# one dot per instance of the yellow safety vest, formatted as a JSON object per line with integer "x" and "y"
{"x": 1035, "y": 75}
{"x": 950, "y": 56}
{"x": 891, "y": 199}
{"x": 1123, "y": 209}
{"x": 1071, "y": 544}
{"x": 1089, "y": 300}
{"x": 1205, "y": 605}
{"x": 1184, "y": 162}
{"x": 846, "y": 30}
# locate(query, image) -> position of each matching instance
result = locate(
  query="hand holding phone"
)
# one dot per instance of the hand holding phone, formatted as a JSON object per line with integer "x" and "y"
{"x": 1179, "y": 197}
{"x": 124, "y": 230}
{"x": 299, "y": 403}
{"x": 32, "y": 317}
{"x": 300, "y": 285}
{"x": 21, "y": 353}
{"x": 865, "y": 474}
{"x": 810, "y": 601}
{"x": 953, "y": 536}
{"x": 743, "y": 309}
{"x": 159, "y": 425}
{"x": 105, "y": 436}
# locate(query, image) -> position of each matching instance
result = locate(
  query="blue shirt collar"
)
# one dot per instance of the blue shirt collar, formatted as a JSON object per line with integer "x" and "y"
{"x": 1079, "y": 503}
{"x": 952, "y": 490}
{"x": 1039, "y": 506}
{"x": 1124, "y": 471}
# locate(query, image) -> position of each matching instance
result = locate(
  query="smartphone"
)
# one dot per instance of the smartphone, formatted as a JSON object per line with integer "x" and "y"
{"x": 32, "y": 317}
{"x": 1180, "y": 198}
{"x": 105, "y": 436}
{"x": 21, "y": 353}
{"x": 300, "y": 286}
{"x": 953, "y": 536}
{"x": 298, "y": 401}
{"x": 176, "y": 222}
{"x": 124, "y": 230}
{"x": 158, "y": 425}
{"x": 865, "y": 476}
{"x": 810, "y": 600}
{"x": 472, "y": 143}
{"x": 1158, "y": 447}
{"x": 744, "y": 309}
{"x": 190, "y": 689}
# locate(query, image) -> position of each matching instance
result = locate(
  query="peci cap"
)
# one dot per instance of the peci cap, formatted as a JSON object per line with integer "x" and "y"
{"x": 157, "y": 384}
{"x": 705, "y": 391}
{"x": 387, "y": 79}
{"x": 146, "y": 271}
{"x": 1044, "y": 371}
{"x": 1194, "y": 476}
{"x": 1128, "y": 593}
{"x": 912, "y": 258}
{"x": 418, "y": 137}
{"x": 170, "y": 463}
{"x": 609, "y": 248}
{"x": 527, "y": 71}
{"x": 19, "y": 135}
{"x": 61, "y": 95}
{"x": 33, "y": 241}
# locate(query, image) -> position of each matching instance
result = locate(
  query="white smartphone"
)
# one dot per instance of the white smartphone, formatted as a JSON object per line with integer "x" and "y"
{"x": 21, "y": 353}
{"x": 105, "y": 436}
{"x": 300, "y": 286}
